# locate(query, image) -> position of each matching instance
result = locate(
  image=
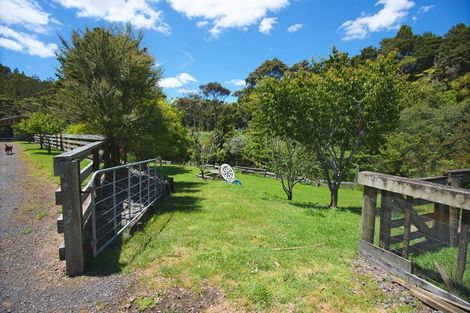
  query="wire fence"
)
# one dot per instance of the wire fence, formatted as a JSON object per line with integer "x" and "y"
{"x": 120, "y": 195}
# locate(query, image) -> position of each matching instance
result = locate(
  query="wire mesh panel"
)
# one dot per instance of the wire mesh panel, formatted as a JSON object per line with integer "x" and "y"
{"x": 120, "y": 195}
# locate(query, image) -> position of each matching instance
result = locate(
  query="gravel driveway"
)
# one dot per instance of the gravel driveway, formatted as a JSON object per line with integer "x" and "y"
{"x": 32, "y": 278}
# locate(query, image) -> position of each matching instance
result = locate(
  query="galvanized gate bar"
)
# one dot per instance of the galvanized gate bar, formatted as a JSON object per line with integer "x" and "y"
{"x": 113, "y": 218}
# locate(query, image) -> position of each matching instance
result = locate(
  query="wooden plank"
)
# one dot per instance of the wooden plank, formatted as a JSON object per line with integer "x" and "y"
{"x": 60, "y": 224}
{"x": 384, "y": 258}
{"x": 412, "y": 236}
{"x": 435, "y": 179}
{"x": 62, "y": 252}
{"x": 421, "y": 225}
{"x": 87, "y": 207}
{"x": 433, "y": 300}
{"x": 457, "y": 197}
{"x": 75, "y": 154}
{"x": 369, "y": 201}
{"x": 72, "y": 218}
{"x": 84, "y": 137}
{"x": 58, "y": 196}
{"x": 86, "y": 171}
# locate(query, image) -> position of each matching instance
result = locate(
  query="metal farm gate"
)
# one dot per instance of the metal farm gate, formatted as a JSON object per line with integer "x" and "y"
{"x": 120, "y": 195}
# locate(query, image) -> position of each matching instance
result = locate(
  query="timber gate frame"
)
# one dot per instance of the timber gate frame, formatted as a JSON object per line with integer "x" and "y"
{"x": 77, "y": 196}
{"x": 447, "y": 226}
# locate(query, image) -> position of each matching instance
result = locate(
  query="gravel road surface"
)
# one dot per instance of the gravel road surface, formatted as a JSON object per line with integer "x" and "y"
{"x": 32, "y": 278}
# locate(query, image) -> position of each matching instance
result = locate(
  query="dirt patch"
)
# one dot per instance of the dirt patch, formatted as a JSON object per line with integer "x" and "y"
{"x": 177, "y": 299}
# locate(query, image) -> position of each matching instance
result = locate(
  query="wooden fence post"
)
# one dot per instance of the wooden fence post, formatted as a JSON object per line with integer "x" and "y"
{"x": 369, "y": 200}
{"x": 72, "y": 213}
{"x": 407, "y": 226}
{"x": 441, "y": 222}
{"x": 61, "y": 146}
{"x": 454, "y": 213}
{"x": 385, "y": 218}
{"x": 463, "y": 245}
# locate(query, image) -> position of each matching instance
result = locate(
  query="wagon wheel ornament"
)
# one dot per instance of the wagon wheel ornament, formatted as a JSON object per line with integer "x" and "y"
{"x": 227, "y": 173}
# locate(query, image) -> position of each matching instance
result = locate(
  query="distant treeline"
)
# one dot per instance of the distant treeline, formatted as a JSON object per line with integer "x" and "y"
{"x": 432, "y": 134}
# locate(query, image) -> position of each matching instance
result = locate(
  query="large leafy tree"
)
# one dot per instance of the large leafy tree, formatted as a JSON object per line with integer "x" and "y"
{"x": 215, "y": 94}
{"x": 40, "y": 124}
{"x": 274, "y": 68}
{"x": 453, "y": 56}
{"x": 107, "y": 77}
{"x": 335, "y": 110}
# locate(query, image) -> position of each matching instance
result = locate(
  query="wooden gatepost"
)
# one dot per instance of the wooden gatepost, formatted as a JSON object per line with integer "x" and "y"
{"x": 75, "y": 201}
{"x": 403, "y": 217}
{"x": 85, "y": 195}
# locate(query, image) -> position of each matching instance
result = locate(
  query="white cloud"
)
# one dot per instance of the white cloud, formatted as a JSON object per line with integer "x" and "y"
{"x": 267, "y": 24}
{"x": 137, "y": 12}
{"x": 18, "y": 41}
{"x": 224, "y": 14}
{"x": 426, "y": 8}
{"x": 10, "y": 44}
{"x": 186, "y": 78}
{"x": 294, "y": 28}
{"x": 388, "y": 17}
{"x": 237, "y": 82}
{"x": 187, "y": 91}
{"x": 25, "y": 13}
{"x": 178, "y": 81}
{"x": 201, "y": 24}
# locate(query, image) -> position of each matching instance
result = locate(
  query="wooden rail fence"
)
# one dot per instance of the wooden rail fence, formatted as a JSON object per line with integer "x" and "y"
{"x": 415, "y": 216}
{"x": 66, "y": 142}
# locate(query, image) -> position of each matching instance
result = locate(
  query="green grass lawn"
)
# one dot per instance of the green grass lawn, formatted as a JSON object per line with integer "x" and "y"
{"x": 43, "y": 159}
{"x": 234, "y": 238}
{"x": 229, "y": 236}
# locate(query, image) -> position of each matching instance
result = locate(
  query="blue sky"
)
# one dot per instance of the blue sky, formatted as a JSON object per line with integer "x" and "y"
{"x": 198, "y": 41}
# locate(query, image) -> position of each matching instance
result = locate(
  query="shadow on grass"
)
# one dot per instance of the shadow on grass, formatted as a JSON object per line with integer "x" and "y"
{"x": 108, "y": 262}
{"x": 459, "y": 289}
{"x": 170, "y": 170}
{"x": 37, "y": 151}
{"x": 313, "y": 207}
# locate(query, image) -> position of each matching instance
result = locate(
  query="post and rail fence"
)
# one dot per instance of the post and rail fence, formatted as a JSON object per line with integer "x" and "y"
{"x": 98, "y": 204}
{"x": 418, "y": 217}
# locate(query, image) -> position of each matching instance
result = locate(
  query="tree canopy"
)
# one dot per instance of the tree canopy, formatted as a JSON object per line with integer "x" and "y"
{"x": 107, "y": 77}
{"x": 334, "y": 111}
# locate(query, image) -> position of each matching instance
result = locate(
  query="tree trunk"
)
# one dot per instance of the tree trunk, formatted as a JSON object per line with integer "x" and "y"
{"x": 289, "y": 195}
{"x": 41, "y": 142}
{"x": 334, "y": 197}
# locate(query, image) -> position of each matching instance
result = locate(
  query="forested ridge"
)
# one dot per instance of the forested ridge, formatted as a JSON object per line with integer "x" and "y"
{"x": 431, "y": 134}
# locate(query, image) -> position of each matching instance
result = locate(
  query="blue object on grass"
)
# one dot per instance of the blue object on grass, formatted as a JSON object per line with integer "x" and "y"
{"x": 237, "y": 182}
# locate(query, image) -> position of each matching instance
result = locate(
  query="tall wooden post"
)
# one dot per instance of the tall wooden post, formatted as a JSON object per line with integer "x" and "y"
{"x": 61, "y": 146}
{"x": 441, "y": 222}
{"x": 454, "y": 213}
{"x": 369, "y": 201}
{"x": 385, "y": 218}
{"x": 407, "y": 226}
{"x": 72, "y": 213}
{"x": 463, "y": 245}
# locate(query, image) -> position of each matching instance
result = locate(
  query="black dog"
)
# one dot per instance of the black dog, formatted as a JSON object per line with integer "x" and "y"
{"x": 8, "y": 149}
